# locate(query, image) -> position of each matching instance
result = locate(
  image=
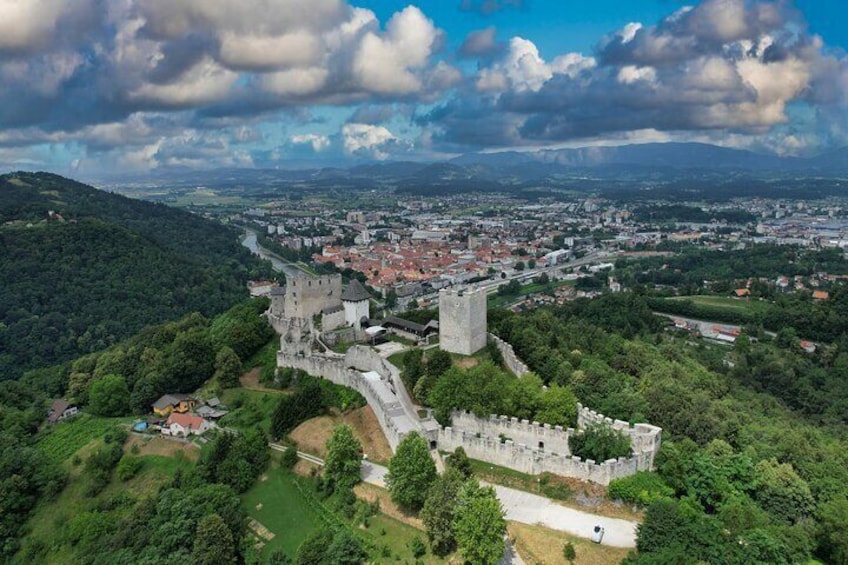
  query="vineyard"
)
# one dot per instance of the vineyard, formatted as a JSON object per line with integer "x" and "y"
{"x": 66, "y": 438}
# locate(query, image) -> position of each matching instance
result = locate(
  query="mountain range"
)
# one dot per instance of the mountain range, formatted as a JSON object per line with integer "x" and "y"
{"x": 496, "y": 171}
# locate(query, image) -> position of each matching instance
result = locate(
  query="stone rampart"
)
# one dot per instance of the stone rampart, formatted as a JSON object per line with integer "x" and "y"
{"x": 336, "y": 371}
{"x": 391, "y": 404}
{"x": 529, "y": 447}
{"x": 533, "y": 434}
{"x": 645, "y": 438}
{"x": 511, "y": 360}
{"x": 535, "y": 448}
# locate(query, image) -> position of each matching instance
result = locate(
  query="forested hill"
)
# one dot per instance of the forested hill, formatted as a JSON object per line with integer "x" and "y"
{"x": 102, "y": 267}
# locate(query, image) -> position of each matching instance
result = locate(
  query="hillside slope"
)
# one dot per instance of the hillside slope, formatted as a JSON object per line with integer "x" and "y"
{"x": 103, "y": 269}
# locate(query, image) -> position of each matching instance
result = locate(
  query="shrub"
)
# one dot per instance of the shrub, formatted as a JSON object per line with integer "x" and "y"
{"x": 643, "y": 489}
{"x": 417, "y": 547}
{"x": 289, "y": 458}
{"x": 128, "y": 467}
{"x": 600, "y": 442}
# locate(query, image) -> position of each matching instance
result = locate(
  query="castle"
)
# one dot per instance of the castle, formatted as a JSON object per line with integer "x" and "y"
{"x": 309, "y": 306}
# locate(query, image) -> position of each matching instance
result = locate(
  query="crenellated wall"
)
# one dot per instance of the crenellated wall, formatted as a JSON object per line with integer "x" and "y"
{"x": 529, "y": 447}
{"x": 645, "y": 438}
{"x": 391, "y": 404}
{"x": 511, "y": 360}
{"x": 535, "y": 448}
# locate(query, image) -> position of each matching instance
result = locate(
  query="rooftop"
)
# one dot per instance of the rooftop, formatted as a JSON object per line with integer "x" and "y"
{"x": 355, "y": 292}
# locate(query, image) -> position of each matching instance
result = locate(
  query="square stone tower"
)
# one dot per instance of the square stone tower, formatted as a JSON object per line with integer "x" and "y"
{"x": 462, "y": 320}
{"x": 307, "y": 295}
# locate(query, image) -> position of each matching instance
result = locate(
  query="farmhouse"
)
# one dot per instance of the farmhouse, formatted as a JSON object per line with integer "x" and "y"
{"x": 60, "y": 410}
{"x": 185, "y": 425}
{"x": 176, "y": 402}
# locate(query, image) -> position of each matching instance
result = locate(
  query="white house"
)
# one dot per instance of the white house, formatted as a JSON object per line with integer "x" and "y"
{"x": 185, "y": 425}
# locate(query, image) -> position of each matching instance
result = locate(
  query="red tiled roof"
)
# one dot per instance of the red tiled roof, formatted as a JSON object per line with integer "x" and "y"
{"x": 188, "y": 421}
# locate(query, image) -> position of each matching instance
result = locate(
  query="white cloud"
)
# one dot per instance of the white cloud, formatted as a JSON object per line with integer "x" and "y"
{"x": 259, "y": 52}
{"x": 629, "y": 74}
{"x": 386, "y": 63}
{"x": 367, "y": 140}
{"x": 317, "y": 142}
{"x": 523, "y": 69}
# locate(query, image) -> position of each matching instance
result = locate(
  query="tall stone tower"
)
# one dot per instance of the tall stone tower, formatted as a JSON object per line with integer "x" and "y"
{"x": 462, "y": 320}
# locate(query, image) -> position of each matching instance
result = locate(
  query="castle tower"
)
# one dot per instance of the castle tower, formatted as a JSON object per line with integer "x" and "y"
{"x": 462, "y": 320}
{"x": 355, "y": 299}
{"x": 307, "y": 295}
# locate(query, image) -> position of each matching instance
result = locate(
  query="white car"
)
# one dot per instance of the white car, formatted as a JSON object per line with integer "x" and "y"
{"x": 598, "y": 534}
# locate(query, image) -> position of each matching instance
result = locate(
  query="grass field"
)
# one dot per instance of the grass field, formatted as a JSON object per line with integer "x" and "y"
{"x": 249, "y": 408}
{"x": 66, "y": 438}
{"x": 284, "y": 511}
{"x": 727, "y": 303}
{"x": 50, "y": 519}
{"x": 542, "y": 545}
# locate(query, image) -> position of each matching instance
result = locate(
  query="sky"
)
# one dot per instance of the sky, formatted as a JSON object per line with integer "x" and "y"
{"x": 129, "y": 86}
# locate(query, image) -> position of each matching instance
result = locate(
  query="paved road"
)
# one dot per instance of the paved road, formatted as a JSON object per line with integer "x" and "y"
{"x": 529, "y": 508}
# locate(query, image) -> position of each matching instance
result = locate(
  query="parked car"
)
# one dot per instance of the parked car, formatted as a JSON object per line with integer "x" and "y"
{"x": 598, "y": 534}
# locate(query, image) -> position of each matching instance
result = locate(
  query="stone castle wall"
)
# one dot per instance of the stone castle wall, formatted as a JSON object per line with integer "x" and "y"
{"x": 347, "y": 371}
{"x": 644, "y": 438}
{"x": 307, "y": 295}
{"x": 525, "y": 446}
{"x": 535, "y": 448}
{"x": 511, "y": 360}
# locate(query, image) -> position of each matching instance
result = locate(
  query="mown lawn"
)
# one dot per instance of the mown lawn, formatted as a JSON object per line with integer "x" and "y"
{"x": 392, "y": 538}
{"x": 284, "y": 510}
{"x": 727, "y": 303}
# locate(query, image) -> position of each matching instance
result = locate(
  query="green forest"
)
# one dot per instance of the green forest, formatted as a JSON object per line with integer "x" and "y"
{"x": 754, "y": 460}
{"x": 103, "y": 271}
{"x": 125, "y": 379}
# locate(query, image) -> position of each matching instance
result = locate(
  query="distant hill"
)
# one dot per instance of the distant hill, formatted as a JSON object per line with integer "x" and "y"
{"x": 81, "y": 269}
{"x": 679, "y": 169}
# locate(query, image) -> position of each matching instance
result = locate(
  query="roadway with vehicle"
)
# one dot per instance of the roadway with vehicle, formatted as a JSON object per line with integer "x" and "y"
{"x": 526, "y": 508}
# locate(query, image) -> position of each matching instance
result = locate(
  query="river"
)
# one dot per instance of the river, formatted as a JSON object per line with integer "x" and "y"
{"x": 251, "y": 241}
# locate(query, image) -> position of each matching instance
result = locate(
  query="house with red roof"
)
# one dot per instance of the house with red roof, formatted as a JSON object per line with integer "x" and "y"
{"x": 184, "y": 425}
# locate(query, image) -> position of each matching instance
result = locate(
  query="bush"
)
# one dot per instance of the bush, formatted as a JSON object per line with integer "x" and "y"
{"x": 289, "y": 458}
{"x": 128, "y": 467}
{"x": 600, "y": 442}
{"x": 642, "y": 489}
{"x": 417, "y": 547}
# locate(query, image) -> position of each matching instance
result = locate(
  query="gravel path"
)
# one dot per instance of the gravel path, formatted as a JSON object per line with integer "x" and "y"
{"x": 529, "y": 508}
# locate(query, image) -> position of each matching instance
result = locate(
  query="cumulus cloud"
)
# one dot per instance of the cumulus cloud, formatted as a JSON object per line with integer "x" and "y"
{"x": 481, "y": 43}
{"x": 522, "y": 69}
{"x": 730, "y": 66}
{"x": 172, "y": 83}
{"x": 65, "y": 66}
{"x": 367, "y": 140}
{"x": 387, "y": 63}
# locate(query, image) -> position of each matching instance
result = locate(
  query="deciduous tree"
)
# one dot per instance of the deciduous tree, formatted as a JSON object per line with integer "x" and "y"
{"x": 411, "y": 472}
{"x": 344, "y": 459}
{"x": 479, "y": 524}
{"x": 109, "y": 396}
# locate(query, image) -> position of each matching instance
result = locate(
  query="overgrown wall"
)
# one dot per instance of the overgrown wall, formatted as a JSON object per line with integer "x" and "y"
{"x": 535, "y": 448}
{"x": 511, "y": 360}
